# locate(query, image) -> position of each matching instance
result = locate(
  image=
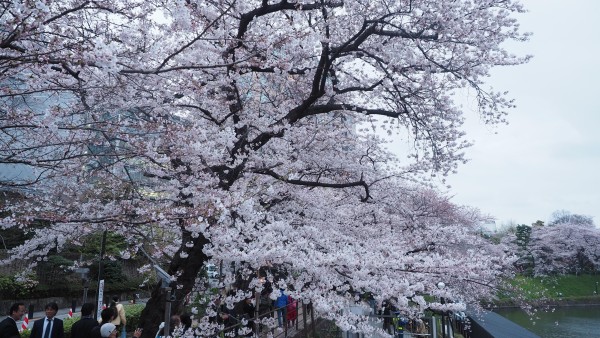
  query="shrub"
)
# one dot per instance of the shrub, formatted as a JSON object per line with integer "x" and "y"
{"x": 17, "y": 286}
{"x": 133, "y": 313}
{"x": 8, "y": 286}
{"x": 68, "y": 324}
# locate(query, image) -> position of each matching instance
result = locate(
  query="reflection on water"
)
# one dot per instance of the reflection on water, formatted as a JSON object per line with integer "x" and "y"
{"x": 560, "y": 322}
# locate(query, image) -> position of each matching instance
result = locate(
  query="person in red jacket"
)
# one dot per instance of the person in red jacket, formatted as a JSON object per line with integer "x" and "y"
{"x": 292, "y": 311}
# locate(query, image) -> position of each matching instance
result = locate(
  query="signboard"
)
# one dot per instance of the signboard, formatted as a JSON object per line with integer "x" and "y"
{"x": 100, "y": 297}
{"x": 83, "y": 271}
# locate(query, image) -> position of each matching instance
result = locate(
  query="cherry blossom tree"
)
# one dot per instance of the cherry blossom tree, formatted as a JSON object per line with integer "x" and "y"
{"x": 565, "y": 249}
{"x": 564, "y": 216}
{"x": 248, "y": 132}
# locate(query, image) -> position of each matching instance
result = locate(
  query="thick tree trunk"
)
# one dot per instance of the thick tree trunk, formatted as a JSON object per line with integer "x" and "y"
{"x": 186, "y": 270}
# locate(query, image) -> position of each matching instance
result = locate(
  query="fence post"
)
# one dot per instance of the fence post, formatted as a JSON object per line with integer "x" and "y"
{"x": 312, "y": 321}
{"x": 297, "y": 312}
{"x": 304, "y": 319}
{"x": 285, "y": 321}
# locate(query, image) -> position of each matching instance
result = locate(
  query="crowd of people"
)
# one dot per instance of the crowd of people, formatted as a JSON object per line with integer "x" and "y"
{"x": 242, "y": 318}
{"x": 113, "y": 321}
{"x": 243, "y": 315}
{"x": 396, "y": 323}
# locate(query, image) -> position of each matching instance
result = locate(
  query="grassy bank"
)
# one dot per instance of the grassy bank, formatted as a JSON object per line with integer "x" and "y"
{"x": 568, "y": 289}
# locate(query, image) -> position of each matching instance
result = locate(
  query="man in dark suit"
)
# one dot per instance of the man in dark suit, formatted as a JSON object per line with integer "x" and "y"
{"x": 48, "y": 327}
{"x": 83, "y": 327}
{"x": 8, "y": 327}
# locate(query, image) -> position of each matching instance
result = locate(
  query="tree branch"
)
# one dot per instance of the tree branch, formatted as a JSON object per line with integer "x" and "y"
{"x": 359, "y": 183}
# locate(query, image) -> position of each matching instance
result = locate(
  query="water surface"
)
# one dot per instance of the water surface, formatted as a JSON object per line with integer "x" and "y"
{"x": 558, "y": 322}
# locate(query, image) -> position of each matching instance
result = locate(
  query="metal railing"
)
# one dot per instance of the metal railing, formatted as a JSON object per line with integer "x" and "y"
{"x": 275, "y": 321}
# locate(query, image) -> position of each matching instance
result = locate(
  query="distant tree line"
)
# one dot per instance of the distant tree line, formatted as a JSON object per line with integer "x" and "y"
{"x": 568, "y": 244}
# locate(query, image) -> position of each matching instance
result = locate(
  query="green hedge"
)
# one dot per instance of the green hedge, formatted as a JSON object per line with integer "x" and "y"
{"x": 68, "y": 324}
{"x": 11, "y": 286}
{"x": 132, "y": 311}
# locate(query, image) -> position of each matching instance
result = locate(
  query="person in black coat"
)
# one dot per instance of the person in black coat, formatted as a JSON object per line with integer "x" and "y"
{"x": 55, "y": 325}
{"x": 107, "y": 315}
{"x": 186, "y": 321}
{"x": 83, "y": 327}
{"x": 247, "y": 312}
{"x": 8, "y": 327}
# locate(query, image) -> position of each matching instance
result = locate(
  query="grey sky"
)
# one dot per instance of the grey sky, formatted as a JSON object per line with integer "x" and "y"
{"x": 548, "y": 158}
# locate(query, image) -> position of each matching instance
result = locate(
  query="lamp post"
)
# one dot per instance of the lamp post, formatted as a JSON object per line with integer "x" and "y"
{"x": 86, "y": 286}
{"x": 441, "y": 286}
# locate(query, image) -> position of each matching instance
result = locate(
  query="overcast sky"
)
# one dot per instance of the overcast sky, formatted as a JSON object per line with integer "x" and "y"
{"x": 548, "y": 157}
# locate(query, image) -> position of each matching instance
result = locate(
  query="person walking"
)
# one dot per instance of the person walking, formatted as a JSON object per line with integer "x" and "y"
{"x": 83, "y": 327}
{"x": 120, "y": 318}
{"x": 292, "y": 311}
{"x": 281, "y": 306}
{"x": 8, "y": 327}
{"x": 49, "y": 326}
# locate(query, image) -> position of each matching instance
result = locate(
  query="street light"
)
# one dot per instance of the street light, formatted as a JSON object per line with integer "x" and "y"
{"x": 441, "y": 286}
{"x": 85, "y": 281}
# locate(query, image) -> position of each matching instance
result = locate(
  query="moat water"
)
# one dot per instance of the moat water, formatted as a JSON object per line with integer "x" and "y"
{"x": 558, "y": 322}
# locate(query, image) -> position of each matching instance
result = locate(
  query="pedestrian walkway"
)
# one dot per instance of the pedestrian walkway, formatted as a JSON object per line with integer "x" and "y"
{"x": 293, "y": 330}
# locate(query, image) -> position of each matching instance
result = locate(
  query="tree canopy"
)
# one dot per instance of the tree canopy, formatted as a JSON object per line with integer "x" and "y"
{"x": 248, "y": 132}
{"x": 566, "y": 217}
{"x": 563, "y": 248}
